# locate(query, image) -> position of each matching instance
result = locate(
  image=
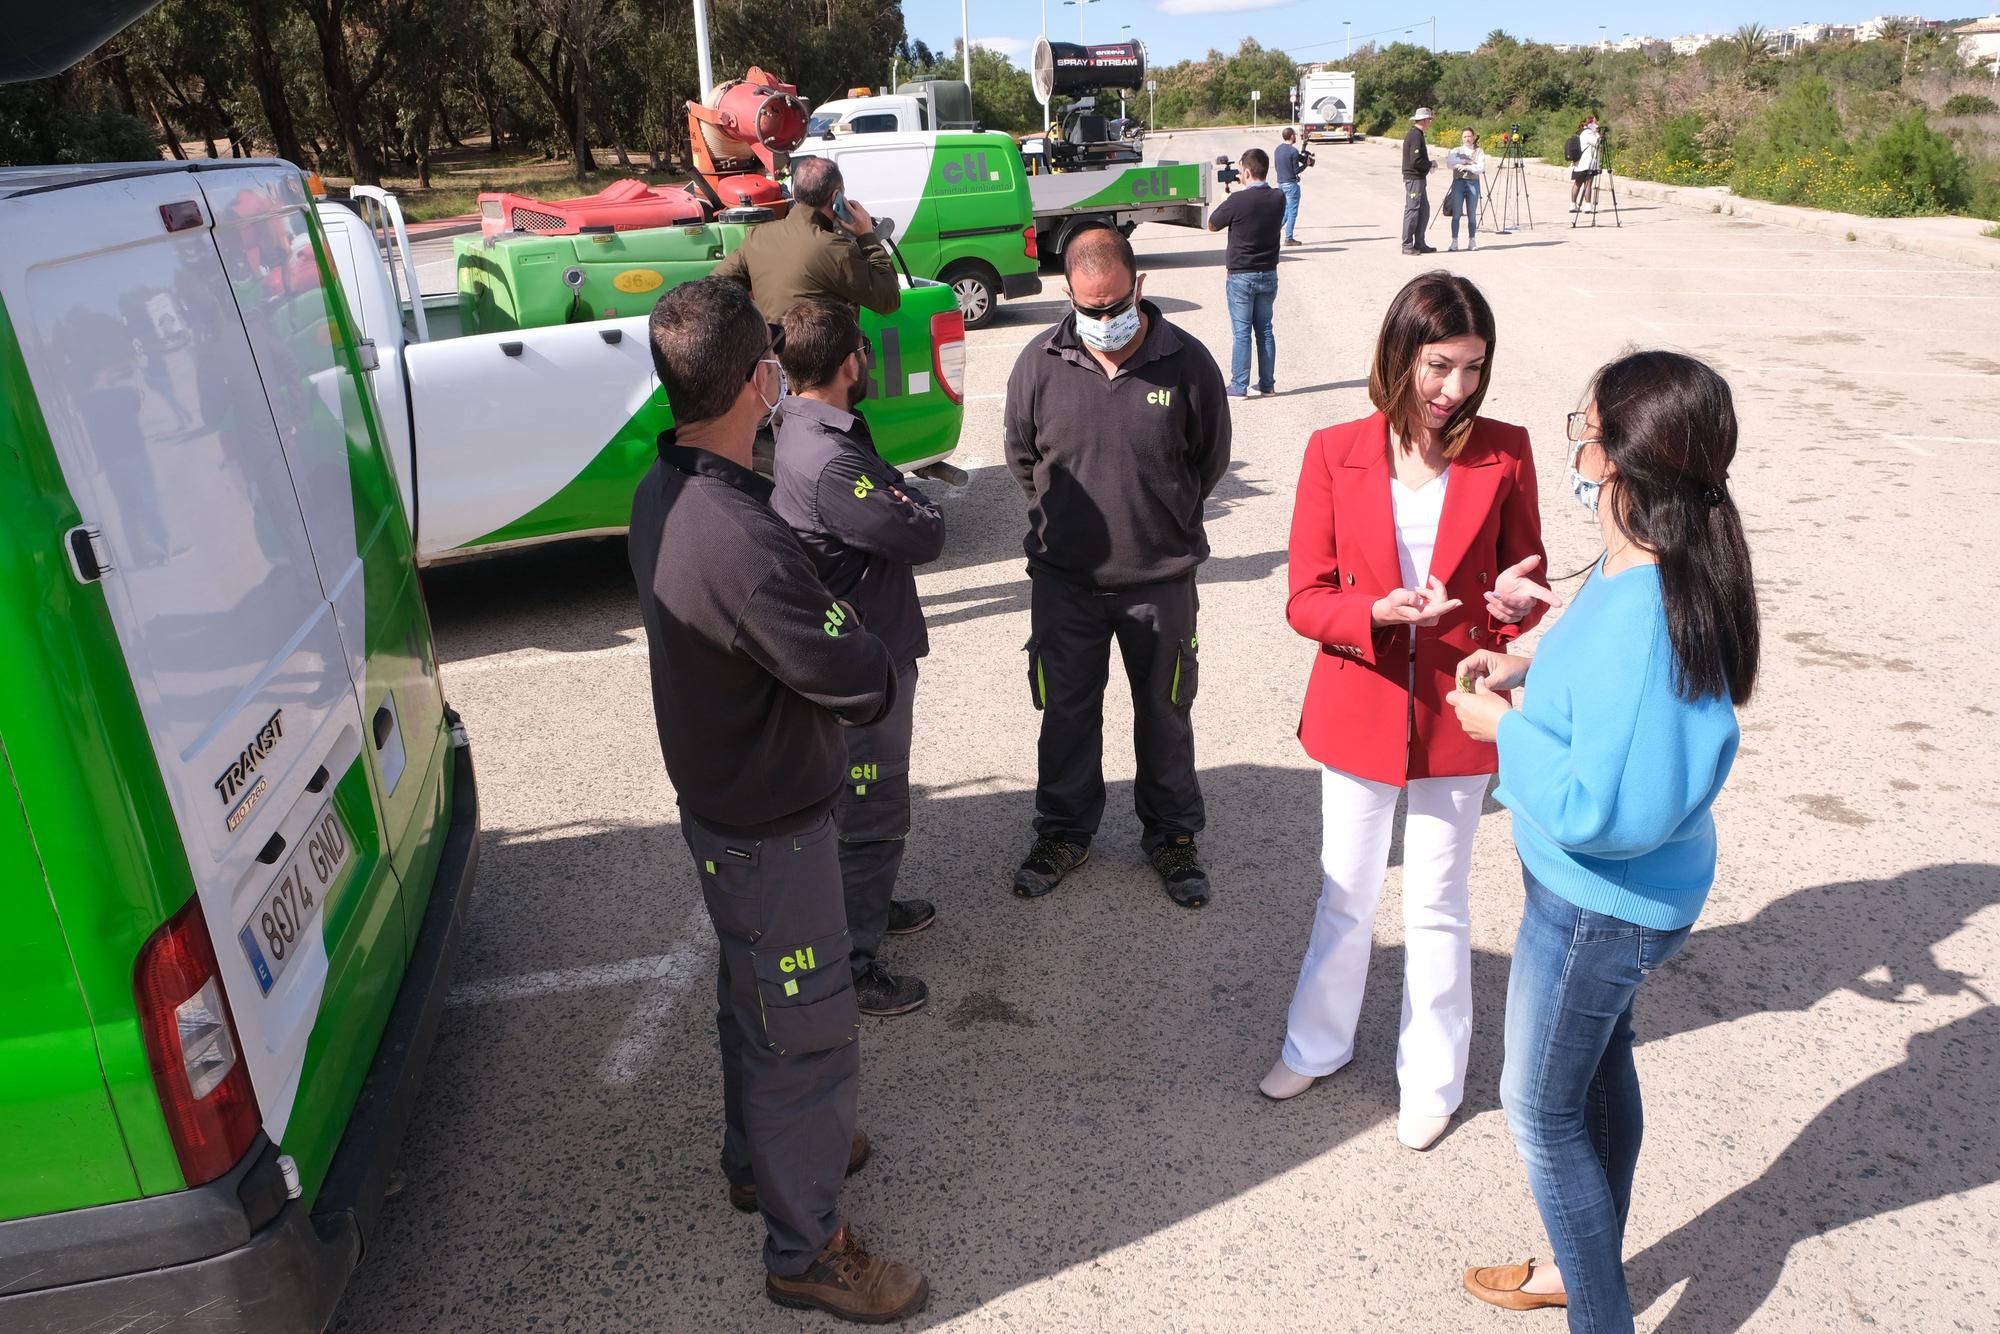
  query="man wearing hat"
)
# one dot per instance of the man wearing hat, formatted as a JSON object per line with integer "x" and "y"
{"x": 1416, "y": 192}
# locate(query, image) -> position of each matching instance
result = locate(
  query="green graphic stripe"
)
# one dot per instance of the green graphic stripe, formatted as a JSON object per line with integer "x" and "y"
{"x": 1179, "y": 183}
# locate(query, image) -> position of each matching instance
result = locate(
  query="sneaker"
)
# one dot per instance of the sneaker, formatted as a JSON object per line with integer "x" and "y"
{"x": 883, "y": 995}
{"x": 1411, "y": 250}
{"x": 909, "y": 916}
{"x": 1048, "y": 862}
{"x": 1266, "y": 390}
{"x": 1472, "y": 245}
{"x": 1576, "y": 208}
{"x": 1180, "y": 867}
{"x": 1236, "y": 393}
{"x": 848, "y": 1283}
{"x": 1453, "y": 246}
{"x": 1254, "y": 392}
{"x": 1293, "y": 240}
{"x": 744, "y": 1198}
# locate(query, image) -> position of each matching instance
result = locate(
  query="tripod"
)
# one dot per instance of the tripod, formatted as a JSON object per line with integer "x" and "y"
{"x": 1611, "y": 183}
{"x": 1504, "y": 209}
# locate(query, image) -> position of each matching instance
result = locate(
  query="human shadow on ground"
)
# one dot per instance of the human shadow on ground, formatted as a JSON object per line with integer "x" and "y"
{"x": 567, "y": 597}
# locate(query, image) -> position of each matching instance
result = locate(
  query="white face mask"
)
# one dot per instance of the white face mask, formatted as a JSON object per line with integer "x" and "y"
{"x": 770, "y": 404}
{"x": 1109, "y": 335}
{"x": 1585, "y": 490}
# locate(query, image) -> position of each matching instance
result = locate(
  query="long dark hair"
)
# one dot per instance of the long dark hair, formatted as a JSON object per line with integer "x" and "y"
{"x": 1667, "y": 425}
{"x": 1431, "y": 308}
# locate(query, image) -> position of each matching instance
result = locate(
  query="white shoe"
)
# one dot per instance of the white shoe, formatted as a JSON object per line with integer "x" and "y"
{"x": 1593, "y": 210}
{"x": 1253, "y": 392}
{"x": 1576, "y": 208}
{"x": 1472, "y": 245}
{"x": 1452, "y": 246}
{"x": 1284, "y": 1082}
{"x": 1420, "y": 1132}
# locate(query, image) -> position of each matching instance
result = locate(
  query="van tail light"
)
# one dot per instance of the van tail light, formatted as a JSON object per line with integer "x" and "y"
{"x": 948, "y": 353}
{"x": 1031, "y": 246}
{"x": 191, "y": 1043}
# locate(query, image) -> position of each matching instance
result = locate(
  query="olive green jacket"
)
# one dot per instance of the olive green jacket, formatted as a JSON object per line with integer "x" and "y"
{"x": 806, "y": 256}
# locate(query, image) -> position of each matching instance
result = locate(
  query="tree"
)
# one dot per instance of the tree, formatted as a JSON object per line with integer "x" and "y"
{"x": 340, "y": 26}
{"x": 267, "y": 76}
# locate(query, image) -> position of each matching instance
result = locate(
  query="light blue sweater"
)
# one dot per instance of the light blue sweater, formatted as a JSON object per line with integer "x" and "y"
{"x": 1609, "y": 772}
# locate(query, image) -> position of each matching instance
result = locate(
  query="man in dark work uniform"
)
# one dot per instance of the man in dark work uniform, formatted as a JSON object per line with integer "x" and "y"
{"x": 756, "y": 672}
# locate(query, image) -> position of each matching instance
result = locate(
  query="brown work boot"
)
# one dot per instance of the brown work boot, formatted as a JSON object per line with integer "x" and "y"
{"x": 850, "y": 1284}
{"x": 744, "y": 1198}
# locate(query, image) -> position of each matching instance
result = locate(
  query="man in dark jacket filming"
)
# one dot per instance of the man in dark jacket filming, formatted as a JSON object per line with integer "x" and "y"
{"x": 1117, "y": 428}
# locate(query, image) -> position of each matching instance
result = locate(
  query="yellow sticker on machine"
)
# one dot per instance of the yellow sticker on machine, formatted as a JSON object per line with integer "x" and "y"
{"x": 637, "y": 280}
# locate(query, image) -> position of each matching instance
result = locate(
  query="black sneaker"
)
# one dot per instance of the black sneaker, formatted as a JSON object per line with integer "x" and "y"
{"x": 1046, "y": 864}
{"x": 909, "y": 916}
{"x": 883, "y": 994}
{"x": 1180, "y": 867}
{"x": 744, "y": 1198}
{"x": 1427, "y": 250}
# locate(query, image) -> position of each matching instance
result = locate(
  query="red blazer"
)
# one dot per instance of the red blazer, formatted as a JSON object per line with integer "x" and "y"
{"x": 1361, "y": 715}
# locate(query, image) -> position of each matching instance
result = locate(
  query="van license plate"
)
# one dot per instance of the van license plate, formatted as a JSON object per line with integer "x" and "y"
{"x": 282, "y": 927}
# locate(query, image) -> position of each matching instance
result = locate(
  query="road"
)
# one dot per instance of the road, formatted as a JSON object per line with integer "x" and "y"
{"x": 1069, "y": 1136}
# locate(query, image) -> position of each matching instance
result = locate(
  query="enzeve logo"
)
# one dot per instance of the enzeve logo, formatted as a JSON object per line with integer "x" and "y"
{"x": 966, "y": 171}
{"x": 798, "y": 961}
{"x": 1161, "y": 398}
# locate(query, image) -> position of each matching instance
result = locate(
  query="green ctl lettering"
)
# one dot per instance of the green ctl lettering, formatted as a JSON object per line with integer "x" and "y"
{"x": 835, "y": 618}
{"x": 870, "y": 772}
{"x": 1162, "y": 397}
{"x": 863, "y": 487}
{"x": 798, "y": 961}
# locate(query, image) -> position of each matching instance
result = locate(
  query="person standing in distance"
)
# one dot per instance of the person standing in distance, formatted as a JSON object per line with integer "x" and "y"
{"x": 756, "y": 669}
{"x": 1287, "y": 164}
{"x": 1417, "y": 165}
{"x": 1588, "y": 144}
{"x": 1252, "y": 217}
{"x": 1117, "y": 427}
{"x": 1468, "y": 171}
{"x": 825, "y": 248}
{"x": 866, "y": 529}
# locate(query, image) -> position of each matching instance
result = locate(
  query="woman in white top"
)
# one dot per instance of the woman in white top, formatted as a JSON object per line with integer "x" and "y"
{"x": 1414, "y": 534}
{"x": 1468, "y": 171}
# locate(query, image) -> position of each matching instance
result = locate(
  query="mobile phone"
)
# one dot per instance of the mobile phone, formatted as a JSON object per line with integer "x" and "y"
{"x": 840, "y": 206}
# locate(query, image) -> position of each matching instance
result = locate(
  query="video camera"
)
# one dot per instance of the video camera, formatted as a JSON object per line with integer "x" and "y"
{"x": 1306, "y": 157}
{"x": 1226, "y": 174}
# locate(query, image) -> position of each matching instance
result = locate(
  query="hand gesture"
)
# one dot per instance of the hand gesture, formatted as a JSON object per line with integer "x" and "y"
{"x": 1409, "y": 606}
{"x": 858, "y": 221}
{"x": 1514, "y": 594}
{"x": 1496, "y": 671}
{"x": 1479, "y": 710}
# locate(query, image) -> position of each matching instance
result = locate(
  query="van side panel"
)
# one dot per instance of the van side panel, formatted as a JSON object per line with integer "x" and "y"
{"x": 107, "y": 846}
{"x": 56, "y": 1100}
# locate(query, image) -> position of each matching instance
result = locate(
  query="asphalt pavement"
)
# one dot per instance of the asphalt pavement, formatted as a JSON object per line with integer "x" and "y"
{"x": 1069, "y": 1136}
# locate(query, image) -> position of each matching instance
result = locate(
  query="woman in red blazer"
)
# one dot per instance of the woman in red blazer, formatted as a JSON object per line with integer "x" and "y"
{"x": 1413, "y": 536}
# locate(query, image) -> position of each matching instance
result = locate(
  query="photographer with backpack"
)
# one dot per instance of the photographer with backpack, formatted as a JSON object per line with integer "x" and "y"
{"x": 1581, "y": 150}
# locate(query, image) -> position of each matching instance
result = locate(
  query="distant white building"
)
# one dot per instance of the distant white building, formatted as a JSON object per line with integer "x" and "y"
{"x": 1979, "y": 42}
{"x": 1873, "y": 29}
{"x": 1693, "y": 42}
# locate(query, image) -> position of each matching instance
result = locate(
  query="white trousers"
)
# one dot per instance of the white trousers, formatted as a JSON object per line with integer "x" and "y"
{"x": 1357, "y": 819}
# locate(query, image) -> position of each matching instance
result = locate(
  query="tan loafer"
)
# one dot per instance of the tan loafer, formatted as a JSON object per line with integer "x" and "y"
{"x": 1284, "y": 1082}
{"x": 1500, "y": 1285}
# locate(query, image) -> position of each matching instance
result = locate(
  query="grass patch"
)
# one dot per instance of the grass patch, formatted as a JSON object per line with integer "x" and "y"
{"x": 458, "y": 178}
{"x": 1993, "y": 231}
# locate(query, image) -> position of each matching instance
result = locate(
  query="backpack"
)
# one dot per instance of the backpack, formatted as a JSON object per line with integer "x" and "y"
{"x": 1573, "y": 148}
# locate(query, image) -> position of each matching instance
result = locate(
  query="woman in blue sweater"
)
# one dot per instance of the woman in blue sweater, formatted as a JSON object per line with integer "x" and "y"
{"x": 1625, "y": 733}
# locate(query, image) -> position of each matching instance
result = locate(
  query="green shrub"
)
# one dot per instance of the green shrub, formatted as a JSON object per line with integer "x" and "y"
{"x": 1919, "y": 162}
{"x": 1971, "y": 104}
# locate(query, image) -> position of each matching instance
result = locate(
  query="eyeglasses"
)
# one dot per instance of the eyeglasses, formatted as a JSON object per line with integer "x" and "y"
{"x": 1118, "y": 307}
{"x": 1578, "y": 429}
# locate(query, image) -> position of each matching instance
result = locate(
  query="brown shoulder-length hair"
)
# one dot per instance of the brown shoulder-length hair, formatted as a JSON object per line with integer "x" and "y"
{"x": 1431, "y": 308}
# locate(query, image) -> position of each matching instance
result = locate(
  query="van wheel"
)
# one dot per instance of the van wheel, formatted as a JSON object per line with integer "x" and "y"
{"x": 978, "y": 294}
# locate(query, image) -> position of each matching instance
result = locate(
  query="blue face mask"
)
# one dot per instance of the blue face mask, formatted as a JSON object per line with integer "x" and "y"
{"x": 1585, "y": 490}
{"x": 1109, "y": 335}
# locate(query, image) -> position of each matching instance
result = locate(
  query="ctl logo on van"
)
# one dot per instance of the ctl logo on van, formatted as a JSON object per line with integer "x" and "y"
{"x": 244, "y": 767}
{"x": 969, "y": 170}
{"x": 1152, "y": 185}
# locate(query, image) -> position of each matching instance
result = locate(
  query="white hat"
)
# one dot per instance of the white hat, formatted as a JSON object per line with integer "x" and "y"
{"x": 1423, "y": 113}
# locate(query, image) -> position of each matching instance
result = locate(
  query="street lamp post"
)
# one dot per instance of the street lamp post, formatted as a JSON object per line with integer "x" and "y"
{"x": 965, "y": 39}
{"x": 1123, "y": 28}
{"x": 704, "y": 69}
{"x": 1347, "y": 25}
{"x": 1256, "y": 94}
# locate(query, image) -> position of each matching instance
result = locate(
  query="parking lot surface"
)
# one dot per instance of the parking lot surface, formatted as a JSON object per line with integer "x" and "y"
{"x": 1069, "y": 1136}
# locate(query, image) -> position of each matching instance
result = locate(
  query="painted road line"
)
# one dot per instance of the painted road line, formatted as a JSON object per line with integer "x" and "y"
{"x": 1826, "y": 370}
{"x": 1881, "y": 329}
{"x": 1746, "y": 268}
{"x": 1951, "y": 439}
{"x": 645, "y": 1028}
{"x": 562, "y": 981}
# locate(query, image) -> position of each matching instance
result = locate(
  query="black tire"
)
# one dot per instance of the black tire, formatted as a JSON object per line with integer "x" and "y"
{"x": 978, "y": 291}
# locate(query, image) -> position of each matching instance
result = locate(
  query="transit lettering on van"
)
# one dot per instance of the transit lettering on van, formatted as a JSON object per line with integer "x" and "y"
{"x": 244, "y": 765}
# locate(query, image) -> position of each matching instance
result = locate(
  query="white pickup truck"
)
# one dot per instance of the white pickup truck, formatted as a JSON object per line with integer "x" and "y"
{"x": 528, "y": 435}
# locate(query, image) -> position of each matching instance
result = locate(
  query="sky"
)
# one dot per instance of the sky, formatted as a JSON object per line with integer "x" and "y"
{"x": 1311, "y": 29}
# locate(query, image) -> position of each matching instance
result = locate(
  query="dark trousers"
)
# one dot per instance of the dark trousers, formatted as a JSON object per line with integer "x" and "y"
{"x": 1416, "y": 210}
{"x": 873, "y": 819}
{"x": 1069, "y": 662}
{"x": 788, "y": 1021}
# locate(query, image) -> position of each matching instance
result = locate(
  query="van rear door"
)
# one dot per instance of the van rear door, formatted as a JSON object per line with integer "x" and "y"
{"x": 134, "y": 335}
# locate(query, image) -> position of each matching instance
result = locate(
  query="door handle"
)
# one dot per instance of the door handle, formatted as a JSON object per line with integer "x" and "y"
{"x": 511, "y": 348}
{"x": 385, "y": 723}
{"x": 317, "y": 783}
{"x": 272, "y": 850}
{"x": 612, "y": 336}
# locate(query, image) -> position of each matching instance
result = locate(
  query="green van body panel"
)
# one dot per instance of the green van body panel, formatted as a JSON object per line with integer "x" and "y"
{"x": 1156, "y": 183}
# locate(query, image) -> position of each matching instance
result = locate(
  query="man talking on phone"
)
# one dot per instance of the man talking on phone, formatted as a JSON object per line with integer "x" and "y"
{"x": 826, "y": 248}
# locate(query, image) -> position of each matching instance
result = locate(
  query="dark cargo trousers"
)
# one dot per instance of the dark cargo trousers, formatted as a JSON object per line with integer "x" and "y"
{"x": 1416, "y": 210}
{"x": 788, "y": 1021}
{"x": 1069, "y": 663}
{"x": 872, "y": 817}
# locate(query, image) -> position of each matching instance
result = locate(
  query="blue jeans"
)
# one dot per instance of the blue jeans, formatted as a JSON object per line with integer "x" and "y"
{"x": 1251, "y": 296}
{"x": 1290, "y": 190}
{"x": 1571, "y": 1090}
{"x": 1463, "y": 201}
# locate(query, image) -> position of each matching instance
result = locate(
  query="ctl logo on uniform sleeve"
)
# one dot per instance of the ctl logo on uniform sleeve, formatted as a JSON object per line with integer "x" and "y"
{"x": 798, "y": 961}
{"x": 835, "y": 618}
{"x": 1161, "y": 397}
{"x": 863, "y": 487}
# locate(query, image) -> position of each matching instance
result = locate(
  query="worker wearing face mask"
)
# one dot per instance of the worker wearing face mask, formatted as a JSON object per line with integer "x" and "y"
{"x": 866, "y": 528}
{"x": 1117, "y": 428}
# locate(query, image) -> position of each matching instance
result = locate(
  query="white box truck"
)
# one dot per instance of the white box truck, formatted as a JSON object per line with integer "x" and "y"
{"x": 1326, "y": 106}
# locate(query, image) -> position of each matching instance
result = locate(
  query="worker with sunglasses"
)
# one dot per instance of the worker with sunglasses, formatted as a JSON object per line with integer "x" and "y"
{"x": 1117, "y": 428}
{"x": 866, "y": 529}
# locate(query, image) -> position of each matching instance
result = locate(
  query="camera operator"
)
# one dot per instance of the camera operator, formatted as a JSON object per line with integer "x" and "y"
{"x": 1288, "y": 161}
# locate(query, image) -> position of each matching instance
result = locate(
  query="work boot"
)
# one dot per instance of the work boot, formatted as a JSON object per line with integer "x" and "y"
{"x": 1180, "y": 868}
{"x": 909, "y": 916}
{"x": 1046, "y": 864}
{"x": 744, "y": 1198}
{"x": 1291, "y": 240}
{"x": 850, "y": 1284}
{"x": 884, "y": 995}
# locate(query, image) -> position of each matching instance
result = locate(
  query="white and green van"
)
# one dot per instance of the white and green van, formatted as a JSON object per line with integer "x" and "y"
{"x": 237, "y": 820}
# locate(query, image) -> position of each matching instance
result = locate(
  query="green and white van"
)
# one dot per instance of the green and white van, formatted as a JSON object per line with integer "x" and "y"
{"x": 237, "y": 819}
